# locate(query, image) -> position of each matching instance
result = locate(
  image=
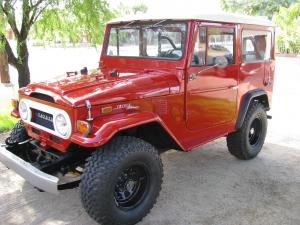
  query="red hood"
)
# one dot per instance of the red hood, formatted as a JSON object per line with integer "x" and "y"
{"x": 101, "y": 89}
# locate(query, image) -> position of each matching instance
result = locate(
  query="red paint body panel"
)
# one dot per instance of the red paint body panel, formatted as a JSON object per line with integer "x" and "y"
{"x": 192, "y": 112}
{"x": 107, "y": 127}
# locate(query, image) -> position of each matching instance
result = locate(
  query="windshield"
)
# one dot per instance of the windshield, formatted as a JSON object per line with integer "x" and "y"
{"x": 155, "y": 40}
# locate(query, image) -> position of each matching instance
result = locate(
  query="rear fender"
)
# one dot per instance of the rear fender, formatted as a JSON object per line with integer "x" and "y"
{"x": 256, "y": 94}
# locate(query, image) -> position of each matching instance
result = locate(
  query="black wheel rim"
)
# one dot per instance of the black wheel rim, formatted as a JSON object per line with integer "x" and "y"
{"x": 255, "y": 132}
{"x": 131, "y": 187}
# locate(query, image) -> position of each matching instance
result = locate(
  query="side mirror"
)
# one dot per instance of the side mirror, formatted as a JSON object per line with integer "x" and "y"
{"x": 221, "y": 62}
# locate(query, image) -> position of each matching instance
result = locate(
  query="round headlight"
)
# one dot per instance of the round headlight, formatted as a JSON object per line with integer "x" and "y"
{"x": 61, "y": 124}
{"x": 23, "y": 110}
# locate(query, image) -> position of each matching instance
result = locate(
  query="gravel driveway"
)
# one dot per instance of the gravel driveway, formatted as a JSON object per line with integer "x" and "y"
{"x": 207, "y": 186}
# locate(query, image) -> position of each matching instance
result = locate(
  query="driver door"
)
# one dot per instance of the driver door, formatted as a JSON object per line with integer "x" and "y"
{"x": 211, "y": 94}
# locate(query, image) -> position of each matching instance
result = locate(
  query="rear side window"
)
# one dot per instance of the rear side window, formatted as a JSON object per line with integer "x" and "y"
{"x": 220, "y": 43}
{"x": 256, "y": 45}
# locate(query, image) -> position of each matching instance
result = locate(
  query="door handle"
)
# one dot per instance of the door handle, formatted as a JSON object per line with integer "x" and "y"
{"x": 192, "y": 77}
{"x": 234, "y": 87}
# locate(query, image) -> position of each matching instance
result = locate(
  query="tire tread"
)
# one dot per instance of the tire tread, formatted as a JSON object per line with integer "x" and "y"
{"x": 99, "y": 166}
{"x": 236, "y": 141}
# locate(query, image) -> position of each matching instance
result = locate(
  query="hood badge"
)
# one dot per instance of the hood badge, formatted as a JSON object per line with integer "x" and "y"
{"x": 109, "y": 109}
{"x": 127, "y": 106}
{"x": 88, "y": 106}
{"x": 132, "y": 107}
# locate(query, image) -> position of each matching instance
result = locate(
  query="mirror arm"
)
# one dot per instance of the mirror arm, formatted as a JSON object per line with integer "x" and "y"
{"x": 206, "y": 69}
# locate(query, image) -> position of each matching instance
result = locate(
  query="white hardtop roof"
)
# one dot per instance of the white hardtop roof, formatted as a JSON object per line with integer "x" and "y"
{"x": 219, "y": 17}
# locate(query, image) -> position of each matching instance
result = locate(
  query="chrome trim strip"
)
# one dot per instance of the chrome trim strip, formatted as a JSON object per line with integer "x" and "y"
{"x": 31, "y": 174}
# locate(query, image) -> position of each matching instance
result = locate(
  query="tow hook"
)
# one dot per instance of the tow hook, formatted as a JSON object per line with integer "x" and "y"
{"x": 17, "y": 144}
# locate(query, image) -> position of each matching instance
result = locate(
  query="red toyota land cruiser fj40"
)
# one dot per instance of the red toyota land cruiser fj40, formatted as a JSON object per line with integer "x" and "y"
{"x": 162, "y": 83}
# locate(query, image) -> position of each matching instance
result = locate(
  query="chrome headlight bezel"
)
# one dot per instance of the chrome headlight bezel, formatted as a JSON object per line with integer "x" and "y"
{"x": 24, "y": 111}
{"x": 61, "y": 125}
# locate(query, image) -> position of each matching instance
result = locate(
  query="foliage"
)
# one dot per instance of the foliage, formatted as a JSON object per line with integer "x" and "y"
{"x": 2, "y": 30}
{"x": 73, "y": 21}
{"x": 288, "y": 35}
{"x": 139, "y": 8}
{"x": 6, "y": 122}
{"x": 284, "y": 14}
{"x": 123, "y": 9}
{"x": 66, "y": 21}
{"x": 256, "y": 7}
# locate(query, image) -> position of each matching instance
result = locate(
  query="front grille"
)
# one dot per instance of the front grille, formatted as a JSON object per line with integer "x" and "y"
{"x": 42, "y": 118}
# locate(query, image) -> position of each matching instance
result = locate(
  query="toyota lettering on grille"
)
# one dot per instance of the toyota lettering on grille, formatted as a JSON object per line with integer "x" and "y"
{"x": 45, "y": 117}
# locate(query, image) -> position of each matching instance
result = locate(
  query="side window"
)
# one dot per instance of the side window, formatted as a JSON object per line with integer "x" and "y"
{"x": 220, "y": 43}
{"x": 249, "y": 47}
{"x": 256, "y": 45}
{"x": 199, "y": 53}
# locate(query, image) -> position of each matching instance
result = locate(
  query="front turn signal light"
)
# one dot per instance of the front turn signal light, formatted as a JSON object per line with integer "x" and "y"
{"x": 107, "y": 109}
{"x": 14, "y": 103}
{"x": 83, "y": 127}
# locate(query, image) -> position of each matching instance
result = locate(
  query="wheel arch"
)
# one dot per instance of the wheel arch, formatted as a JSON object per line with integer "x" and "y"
{"x": 145, "y": 125}
{"x": 154, "y": 133}
{"x": 259, "y": 95}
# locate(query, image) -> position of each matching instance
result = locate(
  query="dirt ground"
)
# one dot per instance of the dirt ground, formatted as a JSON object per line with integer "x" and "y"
{"x": 207, "y": 186}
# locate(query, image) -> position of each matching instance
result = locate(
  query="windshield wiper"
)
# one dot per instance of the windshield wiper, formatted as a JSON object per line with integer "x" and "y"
{"x": 127, "y": 26}
{"x": 157, "y": 25}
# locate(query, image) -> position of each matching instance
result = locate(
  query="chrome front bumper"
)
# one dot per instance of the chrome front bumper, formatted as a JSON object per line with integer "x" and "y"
{"x": 31, "y": 174}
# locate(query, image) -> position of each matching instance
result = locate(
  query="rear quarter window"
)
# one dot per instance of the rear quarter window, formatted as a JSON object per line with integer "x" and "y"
{"x": 256, "y": 45}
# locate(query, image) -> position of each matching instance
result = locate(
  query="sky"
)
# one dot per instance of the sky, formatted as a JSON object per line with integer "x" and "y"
{"x": 174, "y": 6}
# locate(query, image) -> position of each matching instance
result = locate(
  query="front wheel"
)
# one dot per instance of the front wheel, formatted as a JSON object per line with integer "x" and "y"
{"x": 247, "y": 142}
{"x": 121, "y": 181}
{"x": 17, "y": 135}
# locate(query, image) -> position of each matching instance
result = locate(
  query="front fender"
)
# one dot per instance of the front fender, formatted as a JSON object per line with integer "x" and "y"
{"x": 108, "y": 127}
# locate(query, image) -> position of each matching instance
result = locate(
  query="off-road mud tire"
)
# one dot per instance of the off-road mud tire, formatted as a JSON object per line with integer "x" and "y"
{"x": 17, "y": 135}
{"x": 103, "y": 169}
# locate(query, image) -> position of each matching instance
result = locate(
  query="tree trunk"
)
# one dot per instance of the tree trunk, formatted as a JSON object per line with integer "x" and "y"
{"x": 23, "y": 67}
{"x": 4, "y": 71}
{"x": 24, "y": 74}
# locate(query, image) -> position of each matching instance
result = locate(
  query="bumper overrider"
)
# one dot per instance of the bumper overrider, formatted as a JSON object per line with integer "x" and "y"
{"x": 30, "y": 173}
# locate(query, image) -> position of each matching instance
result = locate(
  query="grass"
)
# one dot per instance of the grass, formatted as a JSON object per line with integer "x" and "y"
{"x": 6, "y": 122}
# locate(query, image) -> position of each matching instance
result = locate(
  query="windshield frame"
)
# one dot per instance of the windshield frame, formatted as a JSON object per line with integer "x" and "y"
{"x": 145, "y": 24}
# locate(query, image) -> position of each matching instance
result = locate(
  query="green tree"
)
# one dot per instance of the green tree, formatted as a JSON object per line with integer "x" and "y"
{"x": 288, "y": 35}
{"x": 68, "y": 20}
{"x": 256, "y": 7}
{"x": 139, "y": 8}
{"x": 123, "y": 9}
